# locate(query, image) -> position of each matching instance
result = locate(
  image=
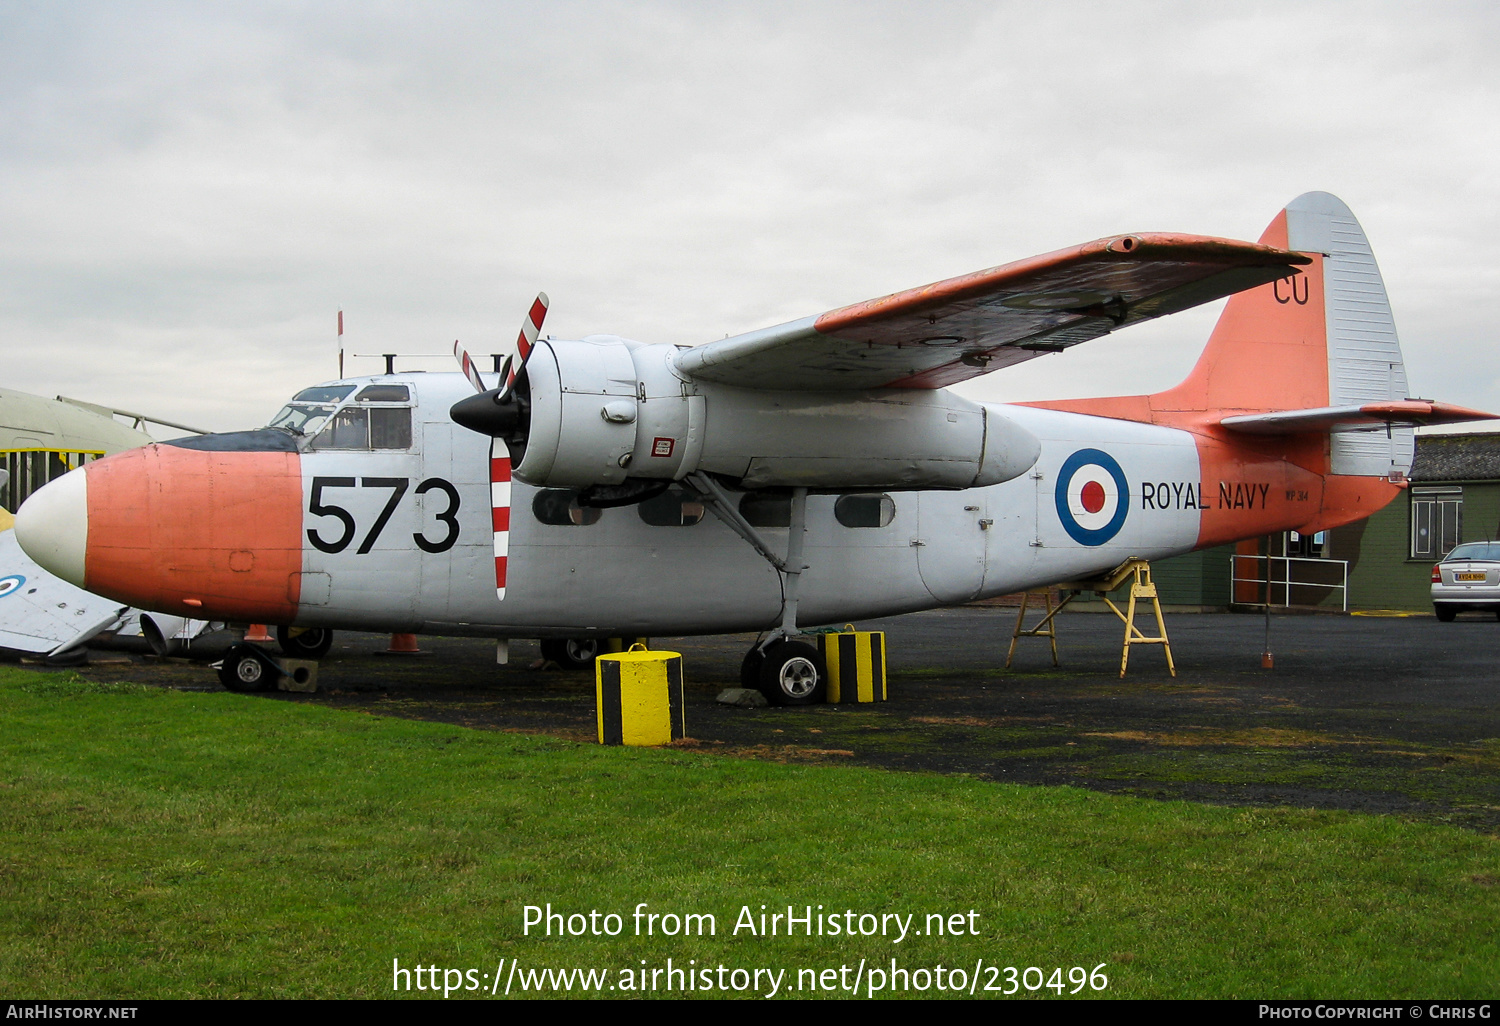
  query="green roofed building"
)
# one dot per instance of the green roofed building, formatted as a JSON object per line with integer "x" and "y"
{"x": 1454, "y": 497}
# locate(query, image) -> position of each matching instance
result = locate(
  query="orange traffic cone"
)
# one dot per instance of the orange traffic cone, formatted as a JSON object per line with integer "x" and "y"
{"x": 403, "y": 644}
{"x": 258, "y": 632}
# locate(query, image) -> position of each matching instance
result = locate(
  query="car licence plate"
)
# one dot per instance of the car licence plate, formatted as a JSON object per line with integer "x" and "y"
{"x": 1468, "y": 577}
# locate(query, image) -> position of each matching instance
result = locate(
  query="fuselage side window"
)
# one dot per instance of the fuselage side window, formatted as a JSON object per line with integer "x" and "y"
{"x": 672, "y": 508}
{"x": 355, "y": 427}
{"x": 868, "y": 509}
{"x": 767, "y": 509}
{"x": 390, "y": 427}
{"x": 559, "y": 507}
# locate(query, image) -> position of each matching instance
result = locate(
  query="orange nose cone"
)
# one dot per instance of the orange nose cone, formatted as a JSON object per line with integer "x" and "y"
{"x": 214, "y": 534}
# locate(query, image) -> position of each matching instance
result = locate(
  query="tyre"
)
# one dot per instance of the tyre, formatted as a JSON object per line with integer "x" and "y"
{"x": 244, "y": 670}
{"x": 304, "y": 642}
{"x": 571, "y": 653}
{"x": 750, "y": 669}
{"x": 1445, "y": 614}
{"x": 792, "y": 673}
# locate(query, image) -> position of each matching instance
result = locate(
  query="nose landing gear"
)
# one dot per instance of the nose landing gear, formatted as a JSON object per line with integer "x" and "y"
{"x": 571, "y": 653}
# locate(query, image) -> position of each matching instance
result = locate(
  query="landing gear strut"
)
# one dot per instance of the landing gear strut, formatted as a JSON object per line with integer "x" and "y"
{"x": 787, "y": 672}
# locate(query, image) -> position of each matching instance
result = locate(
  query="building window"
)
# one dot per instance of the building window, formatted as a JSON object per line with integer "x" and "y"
{"x": 1437, "y": 516}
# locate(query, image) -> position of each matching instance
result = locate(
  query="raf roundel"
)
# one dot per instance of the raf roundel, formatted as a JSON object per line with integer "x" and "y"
{"x": 10, "y": 584}
{"x": 1092, "y": 497}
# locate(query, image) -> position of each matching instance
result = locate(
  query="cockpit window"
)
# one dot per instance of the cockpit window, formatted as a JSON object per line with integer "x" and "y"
{"x": 384, "y": 394}
{"x": 309, "y": 408}
{"x": 323, "y": 394}
{"x": 300, "y": 418}
{"x": 356, "y": 427}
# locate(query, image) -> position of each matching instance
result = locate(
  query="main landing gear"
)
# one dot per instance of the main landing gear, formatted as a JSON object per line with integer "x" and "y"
{"x": 787, "y": 672}
{"x": 247, "y": 669}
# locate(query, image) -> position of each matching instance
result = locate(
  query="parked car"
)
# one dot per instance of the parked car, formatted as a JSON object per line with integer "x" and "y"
{"x": 1467, "y": 578}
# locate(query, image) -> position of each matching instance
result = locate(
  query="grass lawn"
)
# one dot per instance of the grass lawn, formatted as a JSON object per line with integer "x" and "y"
{"x": 165, "y": 844}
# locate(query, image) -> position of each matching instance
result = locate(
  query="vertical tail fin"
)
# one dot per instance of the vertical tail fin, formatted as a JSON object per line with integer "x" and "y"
{"x": 1322, "y": 338}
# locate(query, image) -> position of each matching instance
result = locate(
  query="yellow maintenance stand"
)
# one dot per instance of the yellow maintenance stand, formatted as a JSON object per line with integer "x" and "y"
{"x": 639, "y": 697}
{"x": 1138, "y": 572}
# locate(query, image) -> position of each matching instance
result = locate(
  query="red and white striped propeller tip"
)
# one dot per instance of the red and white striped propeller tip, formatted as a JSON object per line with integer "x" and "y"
{"x": 531, "y": 329}
{"x": 470, "y": 371}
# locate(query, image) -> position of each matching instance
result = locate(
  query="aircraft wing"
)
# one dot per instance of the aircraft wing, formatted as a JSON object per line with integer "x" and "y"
{"x": 41, "y": 614}
{"x": 952, "y": 330}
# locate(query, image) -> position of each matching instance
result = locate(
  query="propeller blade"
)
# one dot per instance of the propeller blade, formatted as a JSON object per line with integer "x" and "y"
{"x": 500, "y": 510}
{"x": 470, "y": 371}
{"x": 496, "y": 414}
{"x": 531, "y": 329}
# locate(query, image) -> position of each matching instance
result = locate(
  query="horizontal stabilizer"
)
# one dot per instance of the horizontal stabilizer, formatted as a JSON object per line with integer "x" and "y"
{"x": 1368, "y": 417}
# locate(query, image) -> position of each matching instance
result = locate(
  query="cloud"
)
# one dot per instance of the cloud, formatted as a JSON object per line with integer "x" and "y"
{"x": 188, "y": 193}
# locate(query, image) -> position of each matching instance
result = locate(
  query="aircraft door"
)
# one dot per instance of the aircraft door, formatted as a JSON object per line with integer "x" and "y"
{"x": 1008, "y": 521}
{"x": 452, "y": 513}
{"x": 950, "y": 543}
{"x": 358, "y": 520}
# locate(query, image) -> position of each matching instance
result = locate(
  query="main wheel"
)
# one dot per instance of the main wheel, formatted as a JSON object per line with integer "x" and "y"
{"x": 244, "y": 671}
{"x": 750, "y": 669}
{"x": 304, "y": 642}
{"x": 1444, "y": 613}
{"x": 792, "y": 673}
{"x": 571, "y": 653}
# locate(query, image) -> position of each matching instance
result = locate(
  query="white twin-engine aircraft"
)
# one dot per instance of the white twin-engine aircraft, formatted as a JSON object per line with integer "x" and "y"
{"x": 815, "y": 472}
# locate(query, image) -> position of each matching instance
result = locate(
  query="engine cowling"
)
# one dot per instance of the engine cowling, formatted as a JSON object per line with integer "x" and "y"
{"x": 599, "y": 410}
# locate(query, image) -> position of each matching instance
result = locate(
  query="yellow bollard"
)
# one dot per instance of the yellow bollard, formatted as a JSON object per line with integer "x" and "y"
{"x": 856, "y": 664}
{"x": 639, "y": 697}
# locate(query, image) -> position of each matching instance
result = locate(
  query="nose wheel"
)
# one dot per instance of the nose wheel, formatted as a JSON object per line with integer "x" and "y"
{"x": 571, "y": 653}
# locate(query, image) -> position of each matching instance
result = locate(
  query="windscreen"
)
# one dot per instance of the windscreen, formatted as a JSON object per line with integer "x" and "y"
{"x": 309, "y": 408}
{"x": 1476, "y": 550}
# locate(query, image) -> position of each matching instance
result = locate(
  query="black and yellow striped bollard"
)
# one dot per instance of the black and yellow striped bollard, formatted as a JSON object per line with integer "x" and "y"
{"x": 856, "y": 664}
{"x": 639, "y": 696}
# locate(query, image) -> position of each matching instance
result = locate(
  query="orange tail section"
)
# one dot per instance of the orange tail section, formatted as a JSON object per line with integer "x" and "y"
{"x": 1321, "y": 342}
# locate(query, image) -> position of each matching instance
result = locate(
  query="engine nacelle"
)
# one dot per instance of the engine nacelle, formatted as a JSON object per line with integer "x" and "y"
{"x": 602, "y": 409}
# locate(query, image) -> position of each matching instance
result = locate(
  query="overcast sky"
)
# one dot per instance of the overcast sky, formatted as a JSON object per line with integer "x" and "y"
{"x": 189, "y": 192}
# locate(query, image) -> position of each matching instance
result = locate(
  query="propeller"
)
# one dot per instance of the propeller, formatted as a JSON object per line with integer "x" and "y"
{"x": 501, "y": 413}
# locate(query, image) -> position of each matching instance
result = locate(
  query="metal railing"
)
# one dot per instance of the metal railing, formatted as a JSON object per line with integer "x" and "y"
{"x": 1277, "y": 576}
